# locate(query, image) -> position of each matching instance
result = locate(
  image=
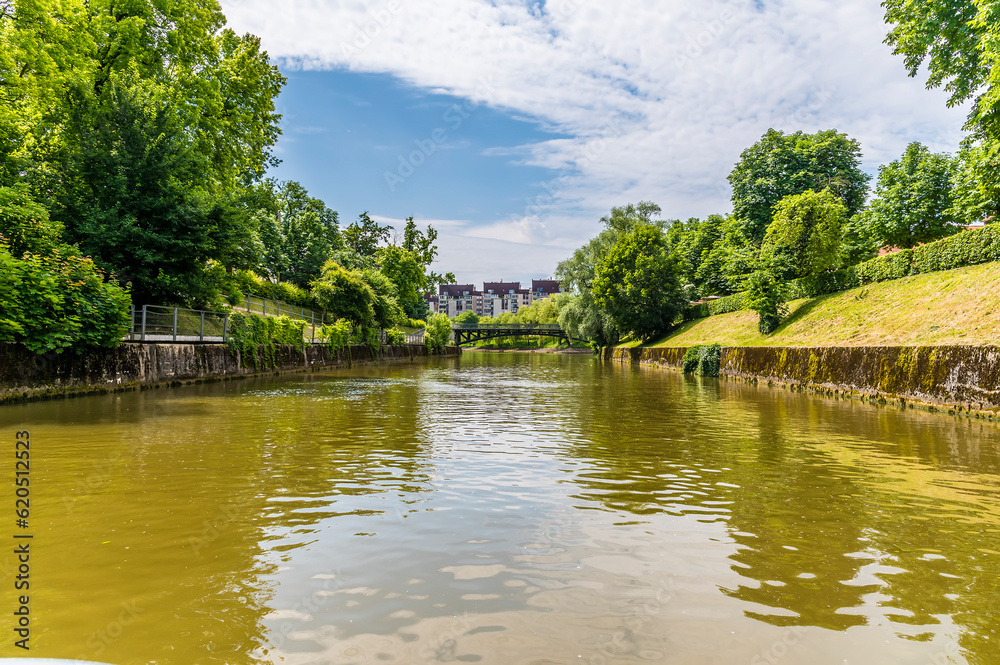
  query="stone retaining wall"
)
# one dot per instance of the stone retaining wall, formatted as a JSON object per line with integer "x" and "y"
{"x": 131, "y": 366}
{"x": 956, "y": 378}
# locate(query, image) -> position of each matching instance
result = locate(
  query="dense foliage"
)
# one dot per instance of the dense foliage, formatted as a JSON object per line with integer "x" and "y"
{"x": 702, "y": 359}
{"x": 139, "y": 134}
{"x": 438, "y": 332}
{"x": 782, "y": 164}
{"x": 638, "y": 282}
{"x": 958, "y": 44}
{"x": 914, "y": 200}
{"x": 59, "y": 302}
{"x": 806, "y": 234}
{"x": 255, "y": 337}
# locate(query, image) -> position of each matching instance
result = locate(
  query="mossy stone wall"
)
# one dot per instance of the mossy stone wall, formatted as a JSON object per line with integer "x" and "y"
{"x": 25, "y": 375}
{"x": 960, "y": 378}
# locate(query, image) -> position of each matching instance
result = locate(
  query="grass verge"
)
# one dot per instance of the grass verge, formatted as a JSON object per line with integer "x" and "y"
{"x": 951, "y": 307}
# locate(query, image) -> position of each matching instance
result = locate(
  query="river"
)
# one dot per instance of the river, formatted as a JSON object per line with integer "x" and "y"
{"x": 505, "y": 509}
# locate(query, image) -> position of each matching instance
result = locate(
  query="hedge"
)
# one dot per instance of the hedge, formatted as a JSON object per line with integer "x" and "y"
{"x": 966, "y": 248}
{"x": 251, "y": 283}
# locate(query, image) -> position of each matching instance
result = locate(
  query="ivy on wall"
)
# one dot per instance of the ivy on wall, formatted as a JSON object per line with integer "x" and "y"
{"x": 255, "y": 337}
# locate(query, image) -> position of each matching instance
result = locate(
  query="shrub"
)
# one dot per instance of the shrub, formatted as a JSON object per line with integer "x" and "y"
{"x": 962, "y": 249}
{"x": 59, "y": 302}
{"x": 337, "y": 335}
{"x": 437, "y": 333}
{"x": 702, "y": 359}
{"x": 252, "y": 284}
{"x": 394, "y": 336}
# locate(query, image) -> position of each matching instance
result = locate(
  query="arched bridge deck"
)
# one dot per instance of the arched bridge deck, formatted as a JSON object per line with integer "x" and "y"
{"x": 467, "y": 333}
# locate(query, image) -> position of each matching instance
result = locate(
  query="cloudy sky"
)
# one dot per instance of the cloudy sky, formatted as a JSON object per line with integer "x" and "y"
{"x": 512, "y": 126}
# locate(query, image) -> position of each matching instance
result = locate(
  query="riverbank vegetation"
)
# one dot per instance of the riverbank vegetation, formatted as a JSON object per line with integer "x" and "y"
{"x": 800, "y": 227}
{"x": 134, "y": 146}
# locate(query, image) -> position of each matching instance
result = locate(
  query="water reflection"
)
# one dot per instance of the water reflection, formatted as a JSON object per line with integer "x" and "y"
{"x": 509, "y": 508}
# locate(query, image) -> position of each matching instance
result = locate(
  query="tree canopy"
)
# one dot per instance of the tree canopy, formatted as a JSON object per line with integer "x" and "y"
{"x": 781, "y": 164}
{"x": 914, "y": 200}
{"x": 638, "y": 282}
{"x": 806, "y": 233}
{"x": 959, "y": 43}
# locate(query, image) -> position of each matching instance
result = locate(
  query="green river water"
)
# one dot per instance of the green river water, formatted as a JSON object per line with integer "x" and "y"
{"x": 503, "y": 509}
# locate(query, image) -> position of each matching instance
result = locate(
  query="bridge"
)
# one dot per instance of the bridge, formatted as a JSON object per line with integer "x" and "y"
{"x": 467, "y": 333}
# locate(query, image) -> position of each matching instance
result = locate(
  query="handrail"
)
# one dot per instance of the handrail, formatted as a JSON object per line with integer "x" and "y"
{"x": 506, "y": 326}
{"x": 157, "y": 323}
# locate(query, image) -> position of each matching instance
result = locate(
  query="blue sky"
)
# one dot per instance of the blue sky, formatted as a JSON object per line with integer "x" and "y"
{"x": 369, "y": 142}
{"x": 512, "y": 126}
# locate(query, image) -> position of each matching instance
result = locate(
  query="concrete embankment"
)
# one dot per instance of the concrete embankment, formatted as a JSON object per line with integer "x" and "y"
{"x": 131, "y": 366}
{"x": 960, "y": 379}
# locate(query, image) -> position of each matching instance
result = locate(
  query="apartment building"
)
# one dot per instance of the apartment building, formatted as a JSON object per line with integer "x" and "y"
{"x": 494, "y": 299}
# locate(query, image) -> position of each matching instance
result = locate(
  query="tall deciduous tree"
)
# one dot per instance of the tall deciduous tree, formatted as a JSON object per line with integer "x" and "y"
{"x": 298, "y": 232}
{"x": 407, "y": 275}
{"x": 806, "y": 233}
{"x": 959, "y": 42}
{"x": 638, "y": 282}
{"x": 138, "y": 121}
{"x": 914, "y": 200}
{"x": 781, "y": 164}
{"x": 365, "y": 235}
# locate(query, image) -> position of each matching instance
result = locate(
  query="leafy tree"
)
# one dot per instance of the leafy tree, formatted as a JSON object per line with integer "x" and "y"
{"x": 139, "y": 121}
{"x": 385, "y": 303}
{"x": 582, "y": 316}
{"x": 766, "y": 294}
{"x": 132, "y": 197}
{"x": 467, "y": 316}
{"x": 976, "y": 194}
{"x": 403, "y": 268}
{"x": 781, "y": 164}
{"x": 727, "y": 262}
{"x": 420, "y": 243}
{"x": 433, "y": 280}
{"x": 365, "y": 235}
{"x": 344, "y": 294}
{"x": 806, "y": 233}
{"x": 545, "y": 310}
{"x": 959, "y": 42}
{"x": 914, "y": 200}
{"x": 638, "y": 283}
{"x": 25, "y": 224}
{"x": 298, "y": 232}
{"x": 625, "y": 218}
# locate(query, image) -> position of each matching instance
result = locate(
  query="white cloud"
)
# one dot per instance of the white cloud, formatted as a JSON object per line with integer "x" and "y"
{"x": 659, "y": 98}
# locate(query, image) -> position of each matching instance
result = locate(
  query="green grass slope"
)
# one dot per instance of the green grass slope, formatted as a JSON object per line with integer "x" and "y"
{"x": 960, "y": 306}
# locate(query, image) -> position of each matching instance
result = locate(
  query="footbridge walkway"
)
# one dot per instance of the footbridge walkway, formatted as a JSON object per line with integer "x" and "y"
{"x": 467, "y": 333}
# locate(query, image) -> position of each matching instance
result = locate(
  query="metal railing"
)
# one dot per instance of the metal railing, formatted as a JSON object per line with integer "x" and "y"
{"x": 269, "y": 307}
{"x": 152, "y": 323}
{"x": 155, "y": 323}
{"x": 527, "y": 327}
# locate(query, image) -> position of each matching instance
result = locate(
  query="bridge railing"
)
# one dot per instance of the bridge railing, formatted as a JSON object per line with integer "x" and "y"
{"x": 527, "y": 327}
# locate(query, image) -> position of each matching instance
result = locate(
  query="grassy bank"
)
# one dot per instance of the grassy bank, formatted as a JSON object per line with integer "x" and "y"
{"x": 960, "y": 306}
